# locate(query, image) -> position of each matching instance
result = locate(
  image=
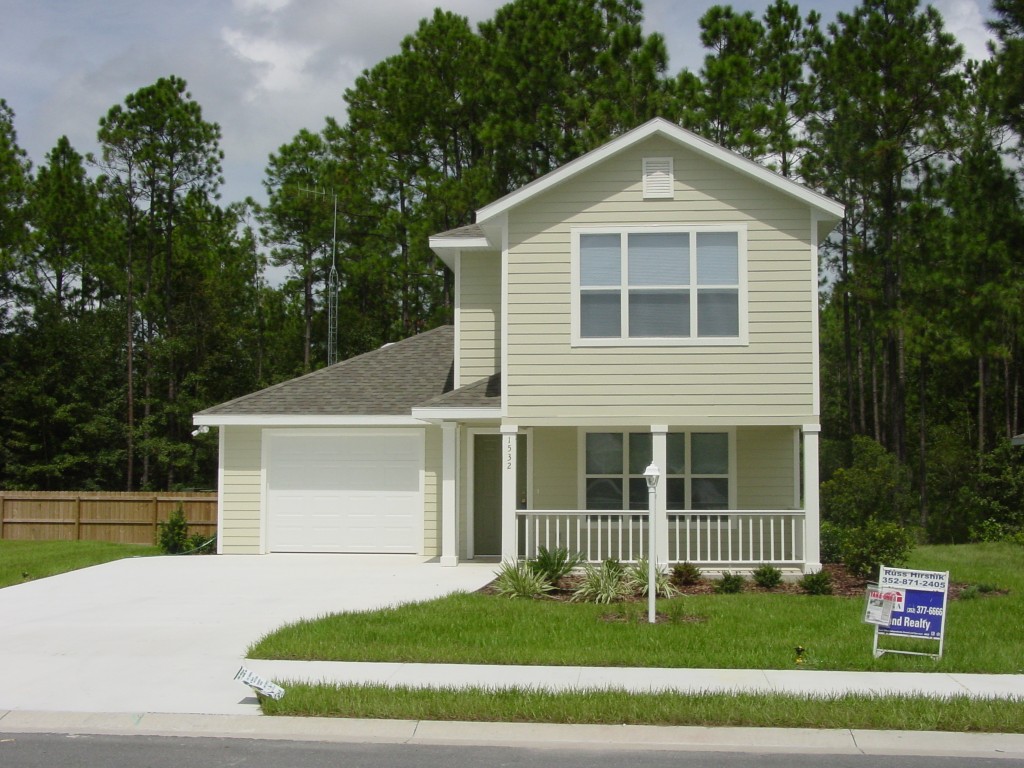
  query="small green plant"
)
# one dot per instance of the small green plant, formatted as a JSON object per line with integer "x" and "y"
{"x": 201, "y": 544}
{"x": 767, "y": 576}
{"x": 638, "y": 578}
{"x": 603, "y": 584}
{"x": 819, "y": 583}
{"x": 730, "y": 583}
{"x": 554, "y": 564}
{"x": 172, "y": 537}
{"x": 519, "y": 579}
{"x": 686, "y": 574}
{"x": 874, "y": 544}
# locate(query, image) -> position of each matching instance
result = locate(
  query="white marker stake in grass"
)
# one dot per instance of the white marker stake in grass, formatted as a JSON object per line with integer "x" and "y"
{"x": 651, "y": 474}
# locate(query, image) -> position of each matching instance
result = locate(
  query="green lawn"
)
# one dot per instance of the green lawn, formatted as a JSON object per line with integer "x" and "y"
{"x": 903, "y": 713}
{"x": 22, "y": 561}
{"x": 751, "y": 630}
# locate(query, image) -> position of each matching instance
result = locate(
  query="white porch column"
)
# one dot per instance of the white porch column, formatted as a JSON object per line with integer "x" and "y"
{"x": 509, "y": 444}
{"x": 812, "y": 552}
{"x": 449, "y": 503}
{"x": 659, "y": 454}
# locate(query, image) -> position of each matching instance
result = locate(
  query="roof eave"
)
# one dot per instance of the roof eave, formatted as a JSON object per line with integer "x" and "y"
{"x": 659, "y": 126}
{"x": 434, "y": 415}
{"x": 301, "y": 420}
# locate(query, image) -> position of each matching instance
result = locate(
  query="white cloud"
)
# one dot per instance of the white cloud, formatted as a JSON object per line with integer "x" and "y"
{"x": 965, "y": 19}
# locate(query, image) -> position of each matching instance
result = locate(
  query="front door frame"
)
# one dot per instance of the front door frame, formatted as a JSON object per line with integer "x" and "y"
{"x": 471, "y": 433}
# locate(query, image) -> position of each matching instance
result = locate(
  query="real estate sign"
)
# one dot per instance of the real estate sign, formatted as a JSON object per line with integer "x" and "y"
{"x": 918, "y": 600}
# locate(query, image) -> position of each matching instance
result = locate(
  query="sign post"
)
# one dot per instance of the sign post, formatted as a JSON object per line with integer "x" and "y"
{"x": 908, "y": 603}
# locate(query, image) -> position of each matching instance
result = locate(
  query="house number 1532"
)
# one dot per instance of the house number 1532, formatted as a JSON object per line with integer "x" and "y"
{"x": 508, "y": 453}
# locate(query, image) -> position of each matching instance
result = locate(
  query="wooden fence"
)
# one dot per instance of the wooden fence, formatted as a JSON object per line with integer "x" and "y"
{"x": 126, "y": 518}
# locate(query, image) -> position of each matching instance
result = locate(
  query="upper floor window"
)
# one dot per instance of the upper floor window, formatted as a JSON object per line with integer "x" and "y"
{"x": 659, "y": 286}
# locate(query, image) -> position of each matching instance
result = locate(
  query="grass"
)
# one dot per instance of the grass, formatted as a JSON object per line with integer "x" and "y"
{"x": 22, "y": 561}
{"x": 958, "y": 714}
{"x": 742, "y": 631}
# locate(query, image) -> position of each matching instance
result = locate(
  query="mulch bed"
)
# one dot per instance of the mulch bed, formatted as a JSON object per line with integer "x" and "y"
{"x": 844, "y": 584}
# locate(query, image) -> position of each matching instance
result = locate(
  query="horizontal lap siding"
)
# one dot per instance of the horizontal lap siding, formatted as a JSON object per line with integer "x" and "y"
{"x": 554, "y": 468}
{"x": 765, "y": 470}
{"x": 479, "y": 313}
{"x": 240, "y": 490}
{"x": 434, "y": 461}
{"x": 771, "y": 376}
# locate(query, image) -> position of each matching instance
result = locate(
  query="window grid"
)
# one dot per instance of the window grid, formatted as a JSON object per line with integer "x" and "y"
{"x": 627, "y": 290}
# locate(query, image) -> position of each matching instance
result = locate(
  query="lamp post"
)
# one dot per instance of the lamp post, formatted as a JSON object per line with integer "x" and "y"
{"x": 651, "y": 474}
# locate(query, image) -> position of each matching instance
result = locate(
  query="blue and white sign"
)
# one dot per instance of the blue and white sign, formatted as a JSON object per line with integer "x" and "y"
{"x": 918, "y": 601}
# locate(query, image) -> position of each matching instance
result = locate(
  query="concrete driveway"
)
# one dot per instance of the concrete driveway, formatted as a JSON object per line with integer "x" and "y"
{"x": 168, "y": 634}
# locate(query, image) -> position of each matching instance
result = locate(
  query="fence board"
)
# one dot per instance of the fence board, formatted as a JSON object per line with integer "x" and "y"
{"x": 126, "y": 518}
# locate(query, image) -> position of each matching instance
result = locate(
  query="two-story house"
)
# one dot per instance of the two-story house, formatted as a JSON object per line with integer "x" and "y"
{"x": 655, "y": 300}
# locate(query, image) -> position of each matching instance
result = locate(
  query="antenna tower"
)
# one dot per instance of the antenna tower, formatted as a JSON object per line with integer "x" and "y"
{"x": 332, "y": 293}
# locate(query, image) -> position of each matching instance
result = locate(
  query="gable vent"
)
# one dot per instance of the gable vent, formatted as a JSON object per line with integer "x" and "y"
{"x": 658, "y": 181}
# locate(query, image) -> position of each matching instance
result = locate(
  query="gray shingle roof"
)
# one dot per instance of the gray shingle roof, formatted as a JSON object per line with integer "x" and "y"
{"x": 485, "y": 393}
{"x": 385, "y": 382}
{"x": 468, "y": 231}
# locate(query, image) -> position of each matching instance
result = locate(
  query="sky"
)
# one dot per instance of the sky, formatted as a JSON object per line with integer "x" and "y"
{"x": 264, "y": 69}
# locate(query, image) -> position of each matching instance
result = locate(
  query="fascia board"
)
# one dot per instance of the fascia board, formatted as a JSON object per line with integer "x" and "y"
{"x": 662, "y": 127}
{"x": 456, "y": 414}
{"x": 301, "y": 420}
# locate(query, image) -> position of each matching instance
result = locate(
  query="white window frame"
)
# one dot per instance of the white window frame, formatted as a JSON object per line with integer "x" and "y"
{"x": 624, "y": 340}
{"x": 688, "y": 475}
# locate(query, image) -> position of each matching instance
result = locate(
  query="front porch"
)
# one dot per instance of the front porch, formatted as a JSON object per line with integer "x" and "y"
{"x": 725, "y": 540}
{"x": 729, "y": 498}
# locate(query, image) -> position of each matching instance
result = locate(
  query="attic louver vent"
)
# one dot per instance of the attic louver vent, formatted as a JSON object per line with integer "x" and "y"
{"x": 658, "y": 177}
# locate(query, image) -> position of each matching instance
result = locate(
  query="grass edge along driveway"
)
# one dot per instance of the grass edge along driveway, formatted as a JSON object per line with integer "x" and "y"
{"x": 24, "y": 561}
{"x": 725, "y": 631}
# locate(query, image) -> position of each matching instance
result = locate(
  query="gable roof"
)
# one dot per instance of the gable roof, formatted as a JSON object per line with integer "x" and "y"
{"x": 825, "y": 206}
{"x": 386, "y": 382}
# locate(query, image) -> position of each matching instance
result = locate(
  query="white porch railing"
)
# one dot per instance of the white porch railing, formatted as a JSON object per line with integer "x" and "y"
{"x": 737, "y": 538}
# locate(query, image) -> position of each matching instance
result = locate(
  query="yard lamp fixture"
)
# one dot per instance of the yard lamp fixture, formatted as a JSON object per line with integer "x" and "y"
{"x": 651, "y": 474}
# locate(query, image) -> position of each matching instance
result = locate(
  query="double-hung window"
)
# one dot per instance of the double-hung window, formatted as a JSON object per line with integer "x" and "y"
{"x": 659, "y": 286}
{"x": 696, "y": 476}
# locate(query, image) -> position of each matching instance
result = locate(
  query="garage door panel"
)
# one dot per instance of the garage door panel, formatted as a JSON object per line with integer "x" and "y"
{"x": 344, "y": 493}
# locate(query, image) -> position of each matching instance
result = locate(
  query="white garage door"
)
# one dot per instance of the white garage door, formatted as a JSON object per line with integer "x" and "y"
{"x": 353, "y": 492}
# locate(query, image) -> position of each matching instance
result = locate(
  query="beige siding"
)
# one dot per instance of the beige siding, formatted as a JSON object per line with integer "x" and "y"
{"x": 765, "y": 468}
{"x": 479, "y": 316}
{"x": 433, "y": 460}
{"x": 555, "y": 470}
{"x": 240, "y": 491}
{"x": 770, "y": 377}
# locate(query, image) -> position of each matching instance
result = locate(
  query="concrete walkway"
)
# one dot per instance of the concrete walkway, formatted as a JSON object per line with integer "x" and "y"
{"x": 152, "y": 645}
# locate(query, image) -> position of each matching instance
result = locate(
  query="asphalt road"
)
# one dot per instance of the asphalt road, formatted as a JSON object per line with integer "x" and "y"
{"x": 48, "y": 750}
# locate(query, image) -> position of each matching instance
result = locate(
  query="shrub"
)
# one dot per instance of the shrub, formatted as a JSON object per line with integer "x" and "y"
{"x": 875, "y": 544}
{"x": 201, "y": 544}
{"x": 553, "y": 564}
{"x": 819, "y": 583}
{"x": 989, "y": 530}
{"x": 730, "y": 583}
{"x": 519, "y": 579}
{"x": 172, "y": 536}
{"x": 603, "y": 584}
{"x": 875, "y": 486}
{"x": 638, "y": 579}
{"x": 767, "y": 576}
{"x": 832, "y": 540}
{"x": 686, "y": 574}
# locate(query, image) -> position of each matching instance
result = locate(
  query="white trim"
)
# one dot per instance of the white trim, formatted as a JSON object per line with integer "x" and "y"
{"x": 423, "y": 415}
{"x": 264, "y": 505}
{"x": 303, "y": 420}
{"x": 661, "y": 127}
{"x": 448, "y": 508}
{"x": 457, "y": 318}
{"x": 797, "y": 489}
{"x": 815, "y": 352}
{"x": 472, "y": 433}
{"x": 221, "y": 442}
{"x": 742, "y": 338}
{"x": 509, "y": 502}
{"x": 503, "y": 334}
